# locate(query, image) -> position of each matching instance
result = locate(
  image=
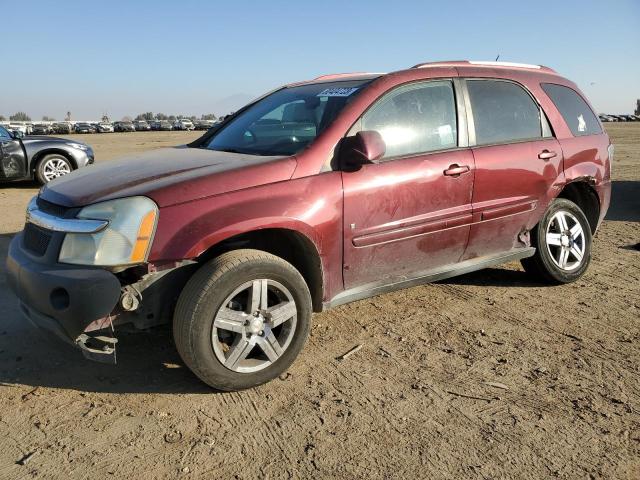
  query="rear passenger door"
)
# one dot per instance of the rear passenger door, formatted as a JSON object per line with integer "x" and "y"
{"x": 410, "y": 212}
{"x": 517, "y": 162}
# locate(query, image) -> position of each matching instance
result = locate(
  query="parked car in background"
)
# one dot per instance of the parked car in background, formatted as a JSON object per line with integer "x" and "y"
{"x": 41, "y": 129}
{"x": 318, "y": 194}
{"x": 104, "y": 127}
{"x": 124, "y": 127}
{"x": 203, "y": 124}
{"x": 43, "y": 158}
{"x": 154, "y": 125}
{"x": 141, "y": 126}
{"x": 83, "y": 127}
{"x": 18, "y": 127}
{"x": 165, "y": 125}
{"x": 62, "y": 128}
{"x": 183, "y": 124}
{"x": 604, "y": 118}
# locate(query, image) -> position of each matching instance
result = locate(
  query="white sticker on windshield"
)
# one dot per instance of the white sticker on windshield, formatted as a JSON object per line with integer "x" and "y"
{"x": 337, "y": 92}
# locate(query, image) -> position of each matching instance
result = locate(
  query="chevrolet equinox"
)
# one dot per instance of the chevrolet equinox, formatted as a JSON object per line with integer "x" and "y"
{"x": 319, "y": 193}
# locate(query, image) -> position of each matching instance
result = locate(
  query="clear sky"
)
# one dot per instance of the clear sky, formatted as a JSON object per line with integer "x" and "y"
{"x": 194, "y": 57}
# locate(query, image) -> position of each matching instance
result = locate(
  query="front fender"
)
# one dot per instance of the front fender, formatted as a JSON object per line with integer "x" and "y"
{"x": 310, "y": 206}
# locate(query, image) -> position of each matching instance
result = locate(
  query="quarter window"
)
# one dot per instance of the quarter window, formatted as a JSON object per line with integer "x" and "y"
{"x": 575, "y": 111}
{"x": 415, "y": 118}
{"x": 503, "y": 112}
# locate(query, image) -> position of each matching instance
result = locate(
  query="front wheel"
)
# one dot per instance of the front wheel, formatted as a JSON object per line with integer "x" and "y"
{"x": 242, "y": 319}
{"x": 51, "y": 167}
{"x": 562, "y": 240}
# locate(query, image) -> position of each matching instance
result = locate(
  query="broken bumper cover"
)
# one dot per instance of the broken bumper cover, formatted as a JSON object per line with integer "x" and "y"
{"x": 63, "y": 299}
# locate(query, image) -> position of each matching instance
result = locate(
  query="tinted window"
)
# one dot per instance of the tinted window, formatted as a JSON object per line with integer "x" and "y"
{"x": 416, "y": 118}
{"x": 4, "y": 135}
{"x": 575, "y": 111}
{"x": 503, "y": 112}
{"x": 286, "y": 121}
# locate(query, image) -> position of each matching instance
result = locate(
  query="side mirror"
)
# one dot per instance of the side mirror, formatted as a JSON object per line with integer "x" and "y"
{"x": 365, "y": 147}
{"x": 17, "y": 134}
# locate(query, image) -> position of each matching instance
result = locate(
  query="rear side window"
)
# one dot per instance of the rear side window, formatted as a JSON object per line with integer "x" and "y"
{"x": 415, "y": 118}
{"x": 503, "y": 112}
{"x": 575, "y": 111}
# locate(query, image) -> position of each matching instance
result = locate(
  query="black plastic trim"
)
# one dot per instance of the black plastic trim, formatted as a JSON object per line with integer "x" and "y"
{"x": 380, "y": 287}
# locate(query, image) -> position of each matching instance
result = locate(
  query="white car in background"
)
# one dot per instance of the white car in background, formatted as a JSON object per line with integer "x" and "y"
{"x": 18, "y": 127}
{"x": 183, "y": 124}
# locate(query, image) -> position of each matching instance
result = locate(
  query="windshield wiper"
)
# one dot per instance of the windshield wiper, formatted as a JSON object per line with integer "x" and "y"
{"x": 228, "y": 150}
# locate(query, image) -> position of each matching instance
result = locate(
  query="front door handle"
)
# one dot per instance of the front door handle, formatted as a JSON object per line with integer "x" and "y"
{"x": 456, "y": 170}
{"x": 546, "y": 155}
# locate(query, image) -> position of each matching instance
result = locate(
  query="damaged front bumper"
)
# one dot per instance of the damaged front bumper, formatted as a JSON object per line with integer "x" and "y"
{"x": 65, "y": 300}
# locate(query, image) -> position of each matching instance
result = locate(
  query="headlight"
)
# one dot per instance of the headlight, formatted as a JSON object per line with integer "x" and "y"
{"x": 79, "y": 146}
{"x": 126, "y": 240}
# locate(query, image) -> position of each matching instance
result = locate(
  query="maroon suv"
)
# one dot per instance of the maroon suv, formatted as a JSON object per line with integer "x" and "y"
{"x": 319, "y": 193}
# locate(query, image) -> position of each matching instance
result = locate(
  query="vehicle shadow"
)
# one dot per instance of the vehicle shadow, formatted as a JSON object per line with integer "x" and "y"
{"x": 147, "y": 361}
{"x": 20, "y": 184}
{"x": 625, "y": 201}
{"x": 496, "y": 277}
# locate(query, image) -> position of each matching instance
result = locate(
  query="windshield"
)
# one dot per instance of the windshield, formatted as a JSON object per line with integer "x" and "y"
{"x": 287, "y": 121}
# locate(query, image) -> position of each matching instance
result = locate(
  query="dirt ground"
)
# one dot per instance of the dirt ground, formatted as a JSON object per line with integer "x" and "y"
{"x": 489, "y": 375}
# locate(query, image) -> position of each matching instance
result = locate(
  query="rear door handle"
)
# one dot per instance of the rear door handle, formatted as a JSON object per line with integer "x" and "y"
{"x": 546, "y": 155}
{"x": 456, "y": 170}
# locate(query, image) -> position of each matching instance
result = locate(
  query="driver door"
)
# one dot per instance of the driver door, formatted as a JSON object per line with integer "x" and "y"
{"x": 13, "y": 161}
{"x": 409, "y": 213}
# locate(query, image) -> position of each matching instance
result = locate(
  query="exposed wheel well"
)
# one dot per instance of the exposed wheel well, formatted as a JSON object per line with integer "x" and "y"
{"x": 40, "y": 155}
{"x": 289, "y": 245}
{"x": 583, "y": 195}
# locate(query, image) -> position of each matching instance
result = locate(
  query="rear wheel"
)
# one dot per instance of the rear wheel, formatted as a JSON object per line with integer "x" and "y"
{"x": 51, "y": 167}
{"x": 563, "y": 244}
{"x": 242, "y": 319}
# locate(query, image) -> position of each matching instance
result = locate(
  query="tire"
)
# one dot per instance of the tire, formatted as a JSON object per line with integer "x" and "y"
{"x": 555, "y": 248}
{"x": 52, "y": 166}
{"x": 215, "y": 329}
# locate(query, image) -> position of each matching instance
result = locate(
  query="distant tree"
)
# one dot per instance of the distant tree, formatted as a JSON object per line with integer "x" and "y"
{"x": 161, "y": 116}
{"x": 126, "y": 118}
{"x": 46, "y": 118}
{"x": 105, "y": 118}
{"x": 20, "y": 117}
{"x": 148, "y": 116}
{"x": 172, "y": 118}
{"x": 2, "y": 119}
{"x": 193, "y": 118}
{"x": 208, "y": 116}
{"x": 67, "y": 117}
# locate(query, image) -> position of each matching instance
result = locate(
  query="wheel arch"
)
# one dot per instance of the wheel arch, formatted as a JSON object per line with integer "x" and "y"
{"x": 289, "y": 244}
{"x": 582, "y": 193}
{"x": 38, "y": 156}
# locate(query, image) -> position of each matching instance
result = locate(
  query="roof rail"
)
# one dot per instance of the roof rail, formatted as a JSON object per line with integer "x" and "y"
{"x": 342, "y": 75}
{"x": 483, "y": 63}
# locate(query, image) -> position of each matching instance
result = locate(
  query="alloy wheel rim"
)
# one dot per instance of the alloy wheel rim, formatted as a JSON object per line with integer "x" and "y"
{"x": 254, "y": 326}
{"x": 565, "y": 241}
{"x": 54, "y": 168}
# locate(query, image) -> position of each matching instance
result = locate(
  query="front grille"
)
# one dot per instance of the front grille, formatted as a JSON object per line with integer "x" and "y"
{"x": 51, "y": 208}
{"x": 36, "y": 239}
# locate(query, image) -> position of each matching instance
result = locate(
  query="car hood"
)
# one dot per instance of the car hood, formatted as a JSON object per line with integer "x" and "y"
{"x": 44, "y": 138}
{"x": 168, "y": 176}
